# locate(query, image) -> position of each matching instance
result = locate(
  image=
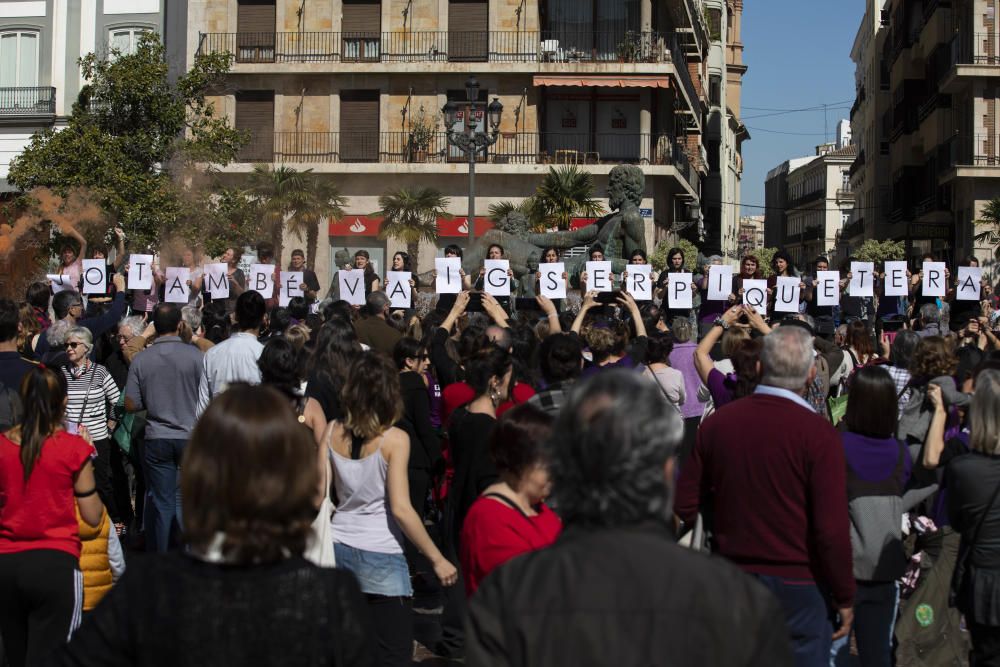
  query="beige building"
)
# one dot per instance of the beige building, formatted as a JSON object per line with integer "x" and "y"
{"x": 929, "y": 155}
{"x": 345, "y": 87}
{"x": 820, "y": 201}
{"x": 751, "y": 234}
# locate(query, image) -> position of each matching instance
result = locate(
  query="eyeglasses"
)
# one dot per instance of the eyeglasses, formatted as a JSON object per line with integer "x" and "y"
{"x": 75, "y": 344}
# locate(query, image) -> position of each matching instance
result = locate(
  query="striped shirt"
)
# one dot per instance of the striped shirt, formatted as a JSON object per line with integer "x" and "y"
{"x": 91, "y": 398}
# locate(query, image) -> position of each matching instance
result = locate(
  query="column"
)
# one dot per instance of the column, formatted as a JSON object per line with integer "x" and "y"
{"x": 645, "y": 125}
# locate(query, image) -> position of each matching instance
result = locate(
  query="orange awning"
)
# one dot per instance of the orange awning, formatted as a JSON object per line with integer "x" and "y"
{"x": 603, "y": 81}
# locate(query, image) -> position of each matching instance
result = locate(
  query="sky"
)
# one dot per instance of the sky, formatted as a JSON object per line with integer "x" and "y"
{"x": 799, "y": 56}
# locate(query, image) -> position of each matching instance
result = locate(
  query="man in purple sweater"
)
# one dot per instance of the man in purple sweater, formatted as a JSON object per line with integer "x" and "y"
{"x": 772, "y": 475}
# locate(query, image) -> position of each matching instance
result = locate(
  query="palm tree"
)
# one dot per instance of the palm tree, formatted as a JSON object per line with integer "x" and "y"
{"x": 324, "y": 201}
{"x": 298, "y": 199}
{"x": 991, "y": 220}
{"x": 410, "y": 216}
{"x": 564, "y": 194}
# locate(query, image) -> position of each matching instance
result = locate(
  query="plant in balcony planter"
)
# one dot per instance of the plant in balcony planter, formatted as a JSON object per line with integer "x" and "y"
{"x": 422, "y": 131}
{"x": 630, "y": 49}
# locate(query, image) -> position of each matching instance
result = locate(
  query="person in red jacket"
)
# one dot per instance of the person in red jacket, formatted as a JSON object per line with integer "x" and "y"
{"x": 510, "y": 517}
{"x": 774, "y": 475}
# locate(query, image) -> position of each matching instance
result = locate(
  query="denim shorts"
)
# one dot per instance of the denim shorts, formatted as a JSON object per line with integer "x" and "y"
{"x": 377, "y": 573}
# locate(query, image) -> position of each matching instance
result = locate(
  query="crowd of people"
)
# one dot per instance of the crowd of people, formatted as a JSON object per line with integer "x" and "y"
{"x": 587, "y": 481}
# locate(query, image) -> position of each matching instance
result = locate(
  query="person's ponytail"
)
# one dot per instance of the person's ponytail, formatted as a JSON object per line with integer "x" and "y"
{"x": 43, "y": 393}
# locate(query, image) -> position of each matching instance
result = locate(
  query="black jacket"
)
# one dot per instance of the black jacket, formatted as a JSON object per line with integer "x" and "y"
{"x": 623, "y": 596}
{"x": 425, "y": 445}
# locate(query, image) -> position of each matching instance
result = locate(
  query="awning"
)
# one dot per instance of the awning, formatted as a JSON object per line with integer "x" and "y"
{"x": 366, "y": 225}
{"x": 603, "y": 81}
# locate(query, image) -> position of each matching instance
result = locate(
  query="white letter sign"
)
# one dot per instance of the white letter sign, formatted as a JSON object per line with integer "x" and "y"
{"x": 895, "y": 279}
{"x": 755, "y": 294}
{"x": 599, "y": 277}
{"x": 261, "y": 279}
{"x": 449, "y": 280}
{"x": 970, "y": 283}
{"x": 60, "y": 283}
{"x": 290, "y": 286}
{"x": 720, "y": 282}
{"x": 397, "y": 286}
{"x": 551, "y": 284}
{"x": 95, "y": 276}
{"x": 217, "y": 280}
{"x": 176, "y": 289}
{"x": 140, "y": 272}
{"x": 934, "y": 284}
{"x": 862, "y": 279}
{"x": 640, "y": 283}
{"x": 828, "y": 289}
{"x": 496, "y": 281}
{"x": 679, "y": 290}
{"x": 352, "y": 286}
{"x": 786, "y": 294}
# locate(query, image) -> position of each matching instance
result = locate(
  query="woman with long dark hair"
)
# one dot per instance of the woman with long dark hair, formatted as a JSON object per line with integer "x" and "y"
{"x": 878, "y": 468}
{"x": 45, "y": 474}
{"x": 336, "y": 346}
{"x": 281, "y": 367}
{"x": 363, "y": 261}
{"x": 371, "y": 457}
{"x": 241, "y": 593}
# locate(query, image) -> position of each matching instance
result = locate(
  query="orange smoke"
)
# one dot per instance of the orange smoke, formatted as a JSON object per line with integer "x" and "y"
{"x": 74, "y": 212}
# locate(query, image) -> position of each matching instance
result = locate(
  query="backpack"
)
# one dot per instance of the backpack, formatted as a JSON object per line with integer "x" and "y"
{"x": 11, "y": 410}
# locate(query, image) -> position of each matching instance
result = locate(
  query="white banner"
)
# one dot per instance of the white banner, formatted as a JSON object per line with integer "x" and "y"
{"x": 176, "y": 289}
{"x": 216, "y": 280}
{"x": 599, "y": 277}
{"x": 934, "y": 280}
{"x": 140, "y": 272}
{"x": 352, "y": 286}
{"x": 895, "y": 282}
{"x": 720, "y": 282}
{"x": 970, "y": 283}
{"x": 397, "y": 287}
{"x": 827, "y": 288}
{"x": 496, "y": 281}
{"x": 289, "y": 287}
{"x": 787, "y": 294}
{"x": 755, "y": 294}
{"x": 551, "y": 283}
{"x": 95, "y": 276}
{"x": 679, "y": 290}
{"x": 640, "y": 282}
{"x": 449, "y": 278}
{"x": 261, "y": 279}
{"x": 862, "y": 279}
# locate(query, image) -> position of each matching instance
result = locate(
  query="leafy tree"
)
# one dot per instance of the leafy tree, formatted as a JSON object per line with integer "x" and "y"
{"x": 296, "y": 199}
{"x": 564, "y": 194}
{"x": 410, "y": 216}
{"x": 873, "y": 250}
{"x": 130, "y": 136}
{"x": 990, "y": 220}
{"x": 220, "y": 217}
{"x": 659, "y": 257}
{"x": 516, "y": 219}
{"x": 765, "y": 255}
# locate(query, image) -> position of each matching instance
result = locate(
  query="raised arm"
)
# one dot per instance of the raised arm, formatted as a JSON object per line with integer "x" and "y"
{"x": 589, "y": 301}
{"x": 702, "y": 355}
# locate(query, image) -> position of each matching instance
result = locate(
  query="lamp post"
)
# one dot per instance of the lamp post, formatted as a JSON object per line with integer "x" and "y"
{"x": 470, "y": 141}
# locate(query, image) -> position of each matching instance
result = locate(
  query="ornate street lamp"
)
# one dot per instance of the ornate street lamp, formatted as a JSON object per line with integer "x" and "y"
{"x": 470, "y": 140}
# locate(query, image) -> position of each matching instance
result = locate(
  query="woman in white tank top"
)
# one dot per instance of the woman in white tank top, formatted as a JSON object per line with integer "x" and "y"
{"x": 374, "y": 512}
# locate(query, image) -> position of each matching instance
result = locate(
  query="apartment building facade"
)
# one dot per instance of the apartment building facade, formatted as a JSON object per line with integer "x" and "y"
{"x": 819, "y": 203}
{"x": 353, "y": 89}
{"x": 40, "y": 42}
{"x": 929, "y": 99}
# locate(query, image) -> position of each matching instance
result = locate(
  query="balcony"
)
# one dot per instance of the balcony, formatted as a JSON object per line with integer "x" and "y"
{"x": 546, "y": 148}
{"x": 976, "y": 49}
{"x": 31, "y": 102}
{"x": 525, "y": 46}
{"x": 813, "y": 234}
{"x": 856, "y": 228}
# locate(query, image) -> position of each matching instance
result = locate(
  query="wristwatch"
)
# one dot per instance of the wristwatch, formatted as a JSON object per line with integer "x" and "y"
{"x": 719, "y": 322}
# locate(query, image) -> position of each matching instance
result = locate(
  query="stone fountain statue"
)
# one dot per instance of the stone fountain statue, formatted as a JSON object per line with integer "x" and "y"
{"x": 620, "y": 233}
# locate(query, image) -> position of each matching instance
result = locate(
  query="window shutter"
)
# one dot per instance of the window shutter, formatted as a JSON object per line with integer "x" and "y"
{"x": 468, "y": 31}
{"x": 255, "y": 28}
{"x": 255, "y": 114}
{"x": 359, "y": 126}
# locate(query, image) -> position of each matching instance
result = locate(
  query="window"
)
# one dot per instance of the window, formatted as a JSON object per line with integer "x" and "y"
{"x": 714, "y": 17}
{"x": 18, "y": 59}
{"x": 125, "y": 40}
{"x": 715, "y": 90}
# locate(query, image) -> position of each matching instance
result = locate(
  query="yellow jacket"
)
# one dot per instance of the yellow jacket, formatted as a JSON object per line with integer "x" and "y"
{"x": 94, "y": 561}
